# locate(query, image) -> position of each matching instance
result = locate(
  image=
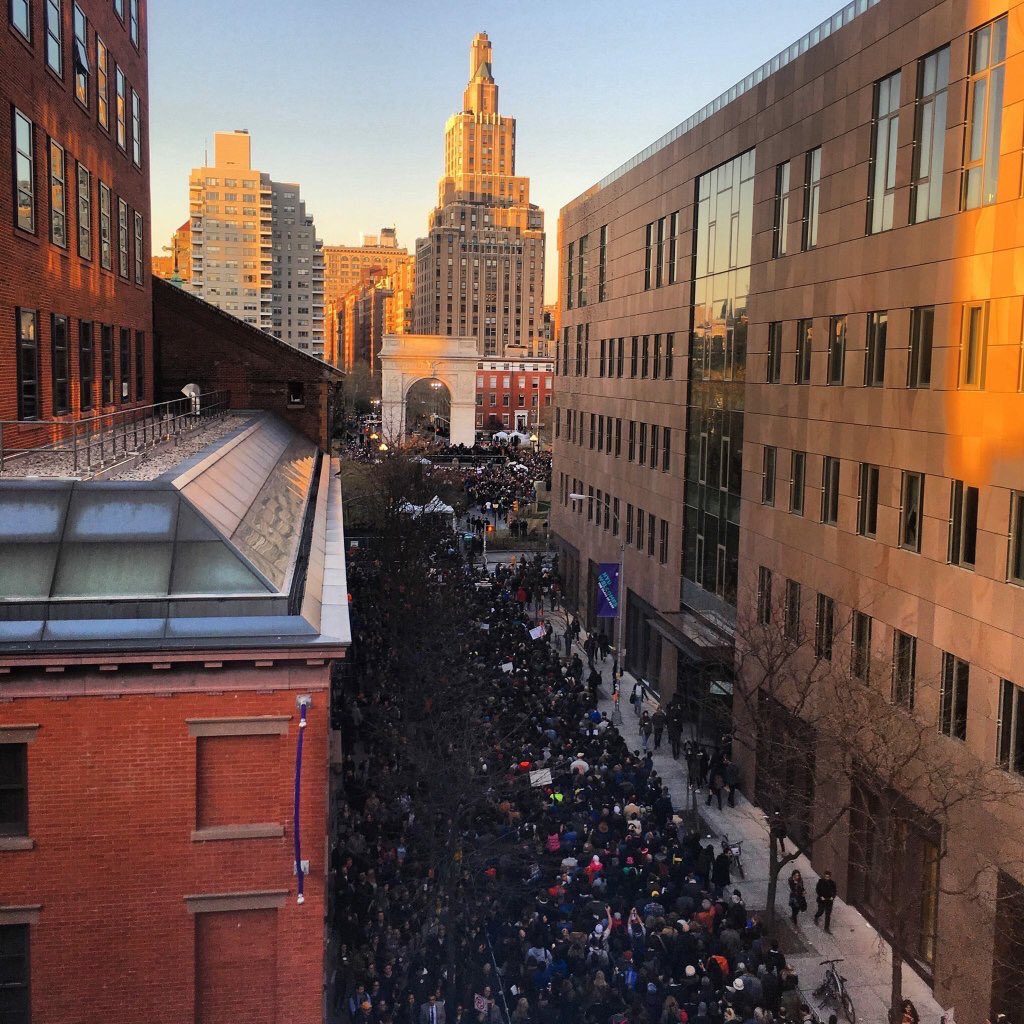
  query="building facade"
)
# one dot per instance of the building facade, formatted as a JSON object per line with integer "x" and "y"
{"x": 346, "y": 265}
{"x": 480, "y": 269}
{"x": 75, "y": 297}
{"x": 254, "y": 250}
{"x": 514, "y": 396}
{"x": 789, "y": 371}
{"x": 177, "y": 263}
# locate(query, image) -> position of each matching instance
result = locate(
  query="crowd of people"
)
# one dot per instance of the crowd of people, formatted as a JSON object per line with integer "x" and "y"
{"x": 559, "y": 884}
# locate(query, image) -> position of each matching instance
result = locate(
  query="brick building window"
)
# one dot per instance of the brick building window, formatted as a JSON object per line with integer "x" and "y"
{"x": 984, "y": 115}
{"x": 139, "y": 252}
{"x": 102, "y": 84}
{"x": 21, "y": 18}
{"x": 140, "y": 365}
{"x": 25, "y": 171}
{"x": 59, "y": 364}
{"x": 58, "y": 196}
{"x": 136, "y": 129}
{"x": 105, "y": 239}
{"x": 133, "y": 22}
{"x": 86, "y": 365}
{"x": 121, "y": 102}
{"x": 125, "y": 352}
{"x": 13, "y": 791}
{"x": 14, "y": 973}
{"x": 80, "y": 57}
{"x": 27, "y": 325}
{"x": 107, "y": 364}
{"x": 84, "y": 213}
{"x": 122, "y": 238}
{"x": 54, "y": 37}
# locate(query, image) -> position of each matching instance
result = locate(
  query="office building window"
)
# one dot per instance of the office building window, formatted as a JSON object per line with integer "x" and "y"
{"x": 919, "y": 364}
{"x": 956, "y": 677}
{"x": 1015, "y": 552}
{"x": 642, "y": 450}
{"x": 27, "y": 324}
{"x": 812, "y": 199}
{"x": 656, "y": 364}
{"x": 139, "y": 250}
{"x": 84, "y": 213}
{"x": 867, "y": 501}
{"x": 860, "y": 646}
{"x": 673, "y": 231}
{"x": 780, "y": 224}
{"x": 904, "y": 669}
{"x": 663, "y": 543}
{"x": 645, "y": 358}
{"x": 1010, "y": 728}
{"x": 836, "y": 349}
{"x": 984, "y": 115}
{"x": 140, "y": 365}
{"x": 615, "y": 517}
{"x": 59, "y": 363}
{"x": 602, "y": 263}
{"x": 797, "y": 481}
{"x": 85, "y": 365}
{"x": 593, "y": 430}
{"x": 107, "y": 364}
{"x": 581, "y": 283}
{"x": 670, "y": 340}
{"x": 973, "y": 345}
{"x": 136, "y": 129}
{"x": 54, "y": 37}
{"x": 824, "y": 627}
{"x": 804, "y": 343}
{"x": 773, "y": 374}
{"x": 618, "y": 437}
{"x": 963, "y": 524}
{"x": 651, "y": 520}
{"x": 768, "y": 459}
{"x": 629, "y": 524}
{"x": 666, "y": 448}
{"x": 764, "y": 595}
{"x": 25, "y": 171}
{"x": 620, "y": 358}
{"x": 580, "y": 368}
{"x": 102, "y": 84}
{"x": 885, "y": 126}
{"x": 640, "y": 522}
{"x": 929, "y": 136}
{"x": 80, "y": 56}
{"x": 830, "y": 490}
{"x": 122, "y": 238}
{"x": 654, "y": 445}
{"x": 631, "y": 443}
{"x": 570, "y": 260}
{"x": 15, "y": 1001}
{"x": 911, "y": 508}
{"x": 121, "y": 102}
{"x": 21, "y": 18}
{"x": 105, "y": 240}
{"x": 633, "y": 355}
{"x": 126, "y": 364}
{"x": 791, "y": 625}
{"x": 874, "y": 358}
{"x": 58, "y": 196}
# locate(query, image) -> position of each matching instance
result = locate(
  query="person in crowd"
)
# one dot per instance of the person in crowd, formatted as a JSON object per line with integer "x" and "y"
{"x": 825, "y": 892}
{"x": 797, "y": 895}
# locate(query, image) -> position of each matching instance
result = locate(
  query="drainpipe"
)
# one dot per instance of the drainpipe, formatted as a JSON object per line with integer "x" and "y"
{"x": 304, "y": 703}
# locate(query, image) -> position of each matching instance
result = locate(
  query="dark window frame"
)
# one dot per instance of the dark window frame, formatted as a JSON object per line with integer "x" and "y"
{"x": 86, "y": 365}
{"x": 60, "y": 365}
{"x": 29, "y": 391}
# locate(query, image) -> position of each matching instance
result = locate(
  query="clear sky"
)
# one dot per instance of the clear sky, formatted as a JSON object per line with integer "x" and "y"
{"x": 350, "y": 98}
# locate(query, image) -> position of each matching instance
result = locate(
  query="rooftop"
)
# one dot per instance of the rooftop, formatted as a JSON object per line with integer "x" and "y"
{"x": 237, "y": 545}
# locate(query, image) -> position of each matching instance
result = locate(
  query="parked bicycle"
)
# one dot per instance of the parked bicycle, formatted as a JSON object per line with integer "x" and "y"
{"x": 832, "y": 990}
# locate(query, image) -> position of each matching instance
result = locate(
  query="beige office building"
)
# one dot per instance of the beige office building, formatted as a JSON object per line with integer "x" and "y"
{"x": 346, "y": 265}
{"x": 254, "y": 250}
{"x": 480, "y": 269}
{"x": 790, "y": 375}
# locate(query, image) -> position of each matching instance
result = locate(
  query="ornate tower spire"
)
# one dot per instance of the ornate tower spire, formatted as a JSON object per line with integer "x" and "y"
{"x": 481, "y": 95}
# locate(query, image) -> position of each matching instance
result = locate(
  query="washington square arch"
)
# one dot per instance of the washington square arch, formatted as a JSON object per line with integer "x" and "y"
{"x": 408, "y": 358}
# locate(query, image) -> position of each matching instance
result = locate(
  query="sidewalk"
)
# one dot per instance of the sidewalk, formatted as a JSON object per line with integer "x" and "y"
{"x": 866, "y": 954}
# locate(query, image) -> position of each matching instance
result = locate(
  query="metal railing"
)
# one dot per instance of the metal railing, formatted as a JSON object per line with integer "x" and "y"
{"x": 67, "y": 447}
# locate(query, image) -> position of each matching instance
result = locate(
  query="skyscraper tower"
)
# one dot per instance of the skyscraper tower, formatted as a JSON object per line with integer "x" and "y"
{"x": 480, "y": 270}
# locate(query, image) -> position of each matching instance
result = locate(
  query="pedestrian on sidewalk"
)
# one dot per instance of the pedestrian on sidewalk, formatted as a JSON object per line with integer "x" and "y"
{"x": 646, "y": 728}
{"x": 797, "y": 895}
{"x": 658, "y": 721}
{"x": 690, "y": 756}
{"x": 731, "y": 774}
{"x": 604, "y": 646}
{"x": 715, "y": 787}
{"x": 675, "y": 736}
{"x": 720, "y": 873}
{"x": 636, "y": 698}
{"x": 616, "y": 713}
{"x": 777, "y": 831}
{"x": 702, "y": 765}
{"x": 825, "y": 891}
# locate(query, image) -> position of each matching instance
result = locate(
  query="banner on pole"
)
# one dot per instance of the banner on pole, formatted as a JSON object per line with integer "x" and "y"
{"x": 607, "y": 590}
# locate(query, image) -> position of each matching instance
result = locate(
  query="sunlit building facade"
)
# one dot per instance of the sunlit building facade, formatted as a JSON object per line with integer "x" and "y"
{"x": 480, "y": 269}
{"x": 789, "y": 370}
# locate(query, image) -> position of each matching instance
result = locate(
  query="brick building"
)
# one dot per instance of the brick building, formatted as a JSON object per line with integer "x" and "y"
{"x": 514, "y": 395}
{"x": 75, "y": 300}
{"x": 166, "y": 644}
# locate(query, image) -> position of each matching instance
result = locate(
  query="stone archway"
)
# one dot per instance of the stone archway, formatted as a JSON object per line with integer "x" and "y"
{"x": 407, "y": 358}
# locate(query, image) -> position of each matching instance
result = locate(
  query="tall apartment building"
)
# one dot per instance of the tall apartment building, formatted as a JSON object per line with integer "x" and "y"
{"x": 75, "y": 298}
{"x": 380, "y": 303}
{"x": 790, "y": 375}
{"x": 344, "y": 265}
{"x": 480, "y": 269}
{"x": 255, "y": 253}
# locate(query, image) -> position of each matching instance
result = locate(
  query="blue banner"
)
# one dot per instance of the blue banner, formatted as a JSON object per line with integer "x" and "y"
{"x": 607, "y": 590}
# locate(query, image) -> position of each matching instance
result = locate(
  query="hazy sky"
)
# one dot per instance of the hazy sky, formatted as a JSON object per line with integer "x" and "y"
{"x": 350, "y": 98}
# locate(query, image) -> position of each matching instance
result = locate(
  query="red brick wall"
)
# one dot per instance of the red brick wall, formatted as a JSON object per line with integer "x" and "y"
{"x": 38, "y": 274}
{"x": 196, "y": 343}
{"x": 112, "y": 805}
{"x": 229, "y": 946}
{"x": 226, "y": 765}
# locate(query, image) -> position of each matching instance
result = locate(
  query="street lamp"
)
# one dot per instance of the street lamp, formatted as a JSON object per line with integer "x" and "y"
{"x": 535, "y": 441}
{"x": 621, "y": 641}
{"x": 383, "y": 447}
